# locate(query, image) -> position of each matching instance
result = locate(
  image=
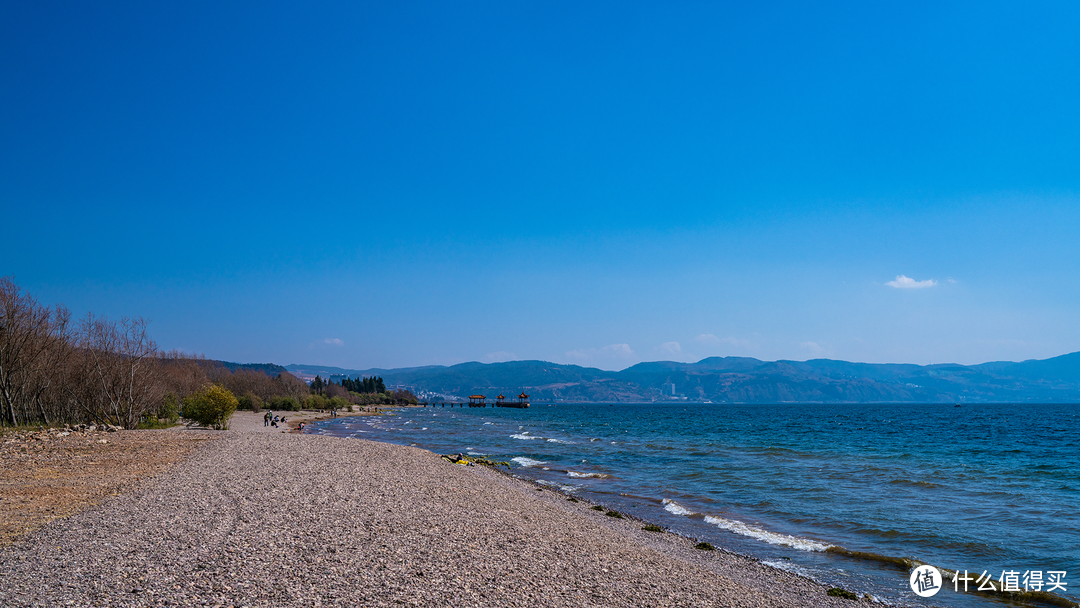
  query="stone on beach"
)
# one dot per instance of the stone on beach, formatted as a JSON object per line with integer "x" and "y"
{"x": 271, "y": 519}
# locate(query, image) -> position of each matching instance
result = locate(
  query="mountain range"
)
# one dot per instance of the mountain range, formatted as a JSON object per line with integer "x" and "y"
{"x": 741, "y": 380}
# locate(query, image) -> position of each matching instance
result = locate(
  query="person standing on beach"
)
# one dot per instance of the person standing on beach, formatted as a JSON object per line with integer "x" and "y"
{"x": 266, "y": 419}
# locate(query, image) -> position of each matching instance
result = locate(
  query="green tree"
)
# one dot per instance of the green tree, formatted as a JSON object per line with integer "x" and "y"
{"x": 250, "y": 401}
{"x": 211, "y": 406}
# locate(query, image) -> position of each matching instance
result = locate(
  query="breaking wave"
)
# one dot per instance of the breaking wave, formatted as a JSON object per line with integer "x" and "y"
{"x": 675, "y": 508}
{"x": 577, "y": 475}
{"x": 773, "y": 538}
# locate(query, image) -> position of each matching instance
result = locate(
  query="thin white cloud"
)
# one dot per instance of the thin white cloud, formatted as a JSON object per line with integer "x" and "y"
{"x": 671, "y": 348}
{"x": 813, "y": 348}
{"x": 903, "y": 282}
{"x": 334, "y": 341}
{"x": 499, "y": 357}
{"x": 708, "y": 339}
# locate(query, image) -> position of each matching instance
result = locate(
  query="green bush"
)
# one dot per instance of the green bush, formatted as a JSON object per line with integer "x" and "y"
{"x": 339, "y": 403}
{"x": 705, "y": 547}
{"x": 152, "y": 422}
{"x": 211, "y": 407}
{"x": 281, "y": 403}
{"x": 170, "y": 408}
{"x": 250, "y": 401}
{"x": 316, "y": 402}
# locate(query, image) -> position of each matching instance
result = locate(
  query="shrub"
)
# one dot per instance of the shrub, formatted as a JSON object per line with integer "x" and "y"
{"x": 316, "y": 402}
{"x": 615, "y": 514}
{"x": 211, "y": 406}
{"x": 152, "y": 422}
{"x": 597, "y": 508}
{"x": 170, "y": 408}
{"x": 250, "y": 401}
{"x": 283, "y": 404}
{"x": 653, "y": 528}
{"x": 705, "y": 547}
{"x": 339, "y": 403}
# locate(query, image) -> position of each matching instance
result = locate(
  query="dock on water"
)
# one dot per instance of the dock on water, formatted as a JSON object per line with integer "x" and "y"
{"x": 522, "y": 401}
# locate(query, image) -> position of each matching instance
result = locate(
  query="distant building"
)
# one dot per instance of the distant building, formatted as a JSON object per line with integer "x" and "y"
{"x": 668, "y": 389}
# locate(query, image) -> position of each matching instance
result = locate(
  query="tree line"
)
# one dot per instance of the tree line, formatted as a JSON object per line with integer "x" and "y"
{"x": 363, "y": 385}
{"x": 55, "y": 370}
{"x": 362, "y": 391}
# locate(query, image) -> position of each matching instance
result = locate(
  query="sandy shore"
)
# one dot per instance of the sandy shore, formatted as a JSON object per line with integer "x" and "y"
{"x": 261, "y": 518}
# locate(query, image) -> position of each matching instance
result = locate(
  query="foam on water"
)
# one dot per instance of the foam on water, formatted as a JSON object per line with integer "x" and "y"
{"x": 675, "y": 508}
{"x": 773, "y": 538}
{"x": 783, "y": 486}
{"x": 524, "y": 436}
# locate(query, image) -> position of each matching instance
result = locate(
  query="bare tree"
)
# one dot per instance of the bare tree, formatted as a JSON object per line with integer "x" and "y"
{"x": 290, "y": 385}
{"x": 123, "y": 362}
{"x": 48, "y": 369}
{"x": 25, "y": 332}
{"x": 182, "y": 374}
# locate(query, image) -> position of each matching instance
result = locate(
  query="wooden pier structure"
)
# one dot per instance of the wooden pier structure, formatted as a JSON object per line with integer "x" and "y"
{"x": 522, "y": 401}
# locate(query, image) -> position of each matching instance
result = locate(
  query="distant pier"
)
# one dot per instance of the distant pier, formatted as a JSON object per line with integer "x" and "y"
{"x": 522, "y": 401}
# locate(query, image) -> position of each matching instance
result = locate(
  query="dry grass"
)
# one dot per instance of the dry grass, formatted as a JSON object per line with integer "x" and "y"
{"x": 46, "y": 475}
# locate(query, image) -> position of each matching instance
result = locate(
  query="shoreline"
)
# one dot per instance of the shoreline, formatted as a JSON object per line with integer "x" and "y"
{"x": 258, "y": 518}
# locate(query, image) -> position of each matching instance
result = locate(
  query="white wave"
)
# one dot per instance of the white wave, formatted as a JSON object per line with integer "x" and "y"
{"x": 527, "y": 462}
{"x": 424, "y": 429}
{"x": 552, "y": 484}
{"x": 577, "y": 475}
{"x": 675, "y": 508}
{"x": 524, "y": 436}
{"x": 487, "y": 423}
{"x": 475, "y": 454}
{"x": 789, "y": 567}
{"x": 559, "y": 441}
{"x": 773, "y": 538}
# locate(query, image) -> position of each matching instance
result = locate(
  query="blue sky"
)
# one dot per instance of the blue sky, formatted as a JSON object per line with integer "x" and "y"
{"x": 396, "y": 184}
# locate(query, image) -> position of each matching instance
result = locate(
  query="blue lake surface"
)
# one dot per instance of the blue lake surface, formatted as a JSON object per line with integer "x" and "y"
{"x": 989, "y": 488}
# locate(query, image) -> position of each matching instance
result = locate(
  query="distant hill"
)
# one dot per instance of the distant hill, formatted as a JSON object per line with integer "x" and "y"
{"x": 271, "y": 369}
{"x": 745, "y": 380}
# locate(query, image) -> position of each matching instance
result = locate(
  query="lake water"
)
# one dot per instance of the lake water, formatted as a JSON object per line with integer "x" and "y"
{"x": 992, "y": 488}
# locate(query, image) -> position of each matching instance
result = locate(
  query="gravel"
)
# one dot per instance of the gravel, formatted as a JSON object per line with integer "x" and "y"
{"x": 278, "y": 519}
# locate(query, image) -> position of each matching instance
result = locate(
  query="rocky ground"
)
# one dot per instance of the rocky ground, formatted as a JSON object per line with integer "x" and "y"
{"x": 259, "y": 518}
{"x": 52, "y": 473}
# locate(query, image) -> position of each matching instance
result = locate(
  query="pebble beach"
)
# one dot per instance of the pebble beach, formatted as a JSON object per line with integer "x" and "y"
{"x": 259, "y": 517}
